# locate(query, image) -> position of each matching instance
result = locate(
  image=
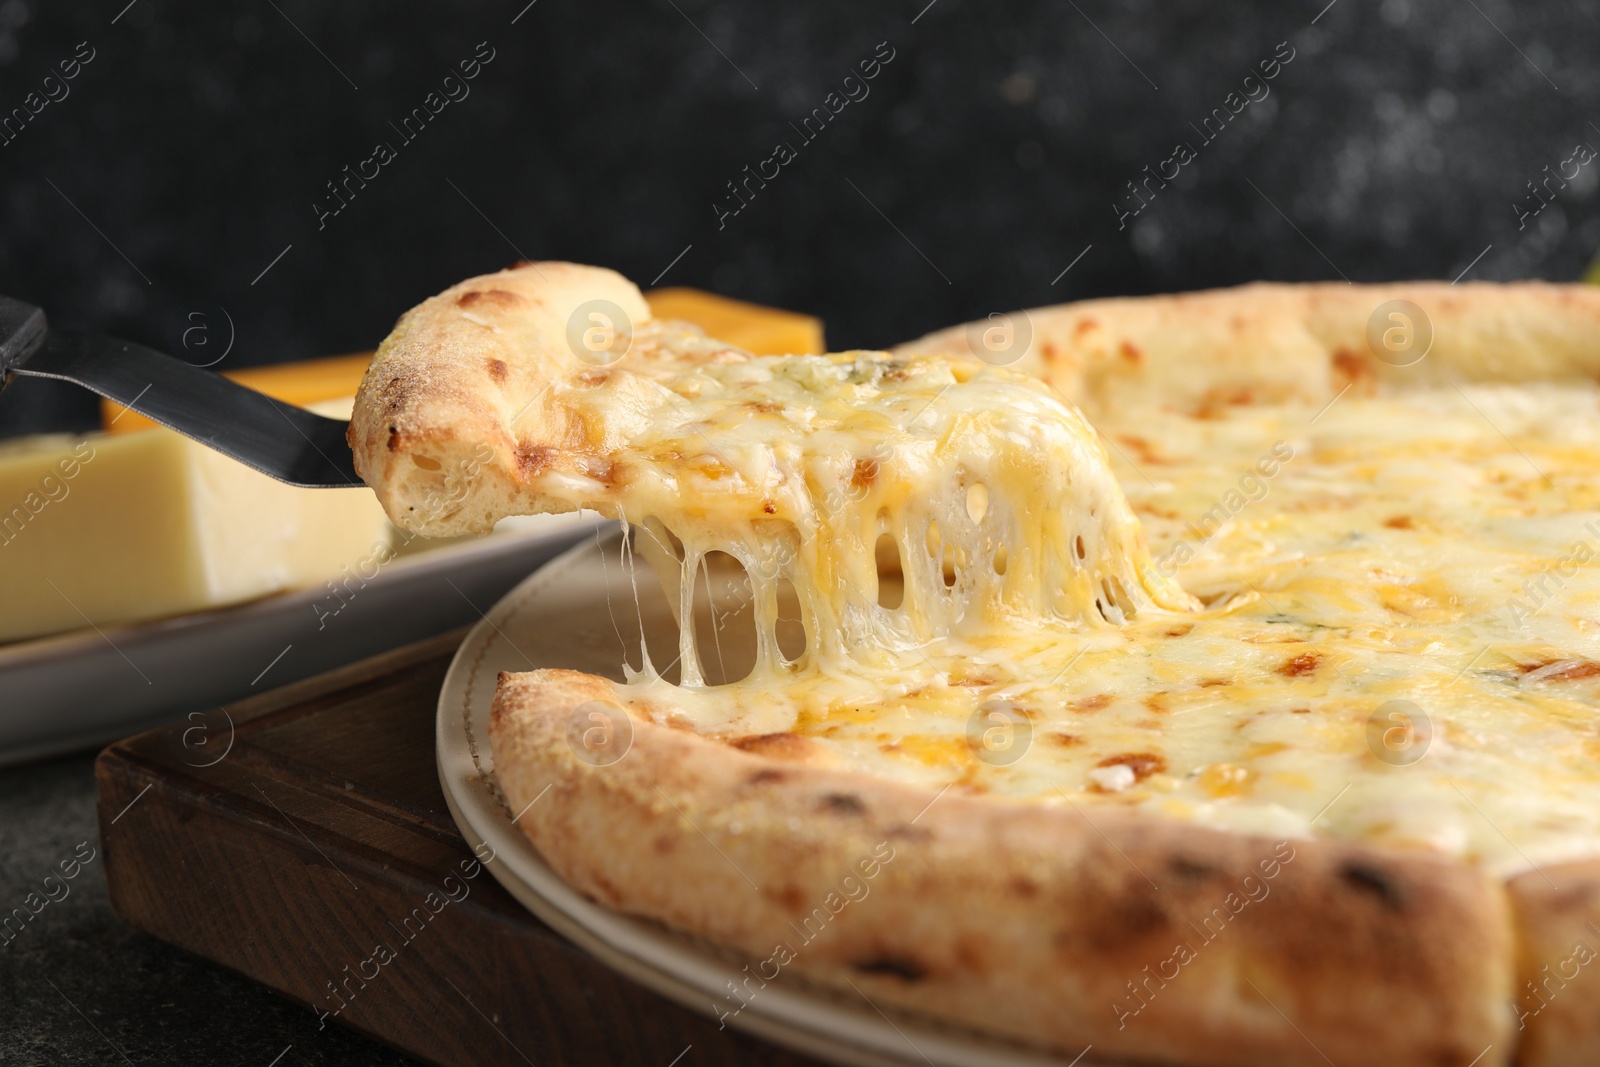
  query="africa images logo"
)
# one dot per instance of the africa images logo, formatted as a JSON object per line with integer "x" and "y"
{"x": 1255, "y": 90}
{"x": 855, "y": 89}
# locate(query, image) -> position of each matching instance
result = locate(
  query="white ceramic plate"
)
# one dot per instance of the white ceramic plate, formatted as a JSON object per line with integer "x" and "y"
{"x": 583, "y": 611}
{"x": 80, "y": 689}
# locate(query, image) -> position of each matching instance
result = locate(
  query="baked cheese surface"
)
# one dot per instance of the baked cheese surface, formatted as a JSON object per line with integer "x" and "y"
{"x": 1395, "y": 640}
{"x": 995, "y": 494}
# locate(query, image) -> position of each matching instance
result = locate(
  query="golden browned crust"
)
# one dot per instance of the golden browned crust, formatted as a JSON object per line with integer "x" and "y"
{"x": 1556, "y": 913}
{"x": 1272, "y": 343}
{"x": 1024, "y": 919}
{"x": 463, "y": 399}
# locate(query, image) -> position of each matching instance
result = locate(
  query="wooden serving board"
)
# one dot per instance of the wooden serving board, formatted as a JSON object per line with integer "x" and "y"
{"x": 288, "y": 836}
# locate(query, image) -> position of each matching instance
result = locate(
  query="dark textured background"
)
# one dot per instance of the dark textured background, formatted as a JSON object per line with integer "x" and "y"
{"x": 996, "y": 141}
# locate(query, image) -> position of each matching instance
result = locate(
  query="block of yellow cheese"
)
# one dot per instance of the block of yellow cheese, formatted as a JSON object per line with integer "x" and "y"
{"x": 116, "y": 529}
{"x": 762, "y": 330}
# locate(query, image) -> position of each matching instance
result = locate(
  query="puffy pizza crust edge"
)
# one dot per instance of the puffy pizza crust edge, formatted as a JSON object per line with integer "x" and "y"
{"x": 1054, "y": 925}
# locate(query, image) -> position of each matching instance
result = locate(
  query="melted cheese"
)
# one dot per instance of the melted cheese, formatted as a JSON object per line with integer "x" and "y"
{"x": 1397, "y": 638}
{"x": 995, "y": 492}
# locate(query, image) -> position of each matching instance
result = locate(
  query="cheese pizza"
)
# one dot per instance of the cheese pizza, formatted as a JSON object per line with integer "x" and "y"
{"x": 1215, "y": 682}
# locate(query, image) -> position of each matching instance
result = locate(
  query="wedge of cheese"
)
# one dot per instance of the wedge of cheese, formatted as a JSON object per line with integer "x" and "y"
{"x": 105, "y": 529}
{"x": 761, "y": 330}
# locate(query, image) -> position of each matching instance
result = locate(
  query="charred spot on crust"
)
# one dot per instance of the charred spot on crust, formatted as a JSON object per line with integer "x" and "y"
{"x": 497, "y": 369}
{"x": 790, "y": 898}
{"x": 1130, "y": 352}
{"x": 496, "y": 297}
{"x": 1375, "y": 880}
{"x": 1400, "y": 522}
{"x": 1024, "y": 887}
{"x": 1217, "y": 400}
{"x": 765, "y": 775}
{"x": 1351, "y": 366}
{"x": 842, "y": 803}
{"x": 780, "y": 746}
{"x": 1188, "y": 870}
{"x": 907, "y": 832}
{"x": 1142, "y": 764}
{"x": 1141, "y": 445}
{"x": 902, "y": 967}
{"x": 1303, "y": 664}
{"x": 1132, "y": 916}
{"x": 1579, "y": 668}
{"x": 972, "y": 955}
{"x": 394, "y": 439}
{"x": 533, "y": 460}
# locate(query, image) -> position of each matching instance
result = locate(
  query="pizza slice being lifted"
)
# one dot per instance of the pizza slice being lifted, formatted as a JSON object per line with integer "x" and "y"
{"x": 1092, "y": 807}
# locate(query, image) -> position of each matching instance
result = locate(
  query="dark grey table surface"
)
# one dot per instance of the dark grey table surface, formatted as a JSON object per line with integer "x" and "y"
{"x": 79, "y": 987}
